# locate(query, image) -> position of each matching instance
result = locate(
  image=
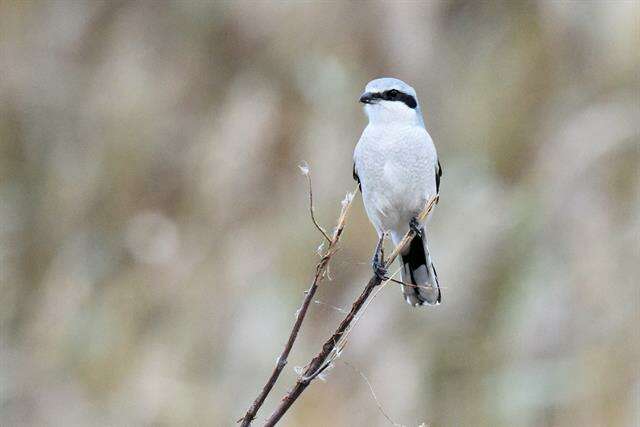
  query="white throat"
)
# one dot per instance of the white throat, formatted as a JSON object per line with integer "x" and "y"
{"x": 393, "y": 113}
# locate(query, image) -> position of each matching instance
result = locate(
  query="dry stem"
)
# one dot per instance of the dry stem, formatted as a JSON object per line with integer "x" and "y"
{"x": 332, "y": 346}
{"x": 321, "y": 272}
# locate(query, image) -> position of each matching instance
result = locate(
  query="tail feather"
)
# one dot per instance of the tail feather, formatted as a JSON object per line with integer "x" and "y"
{"x": 420, "y": 275}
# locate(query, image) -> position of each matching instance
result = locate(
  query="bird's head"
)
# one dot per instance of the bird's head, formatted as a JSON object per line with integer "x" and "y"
{"x": 389, "y": 100}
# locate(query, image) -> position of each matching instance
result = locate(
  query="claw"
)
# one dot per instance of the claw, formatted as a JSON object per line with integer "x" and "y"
{"x": 378, "y": 260}
{"x": 380, "y": 271}
{"x": 415, "y": 226}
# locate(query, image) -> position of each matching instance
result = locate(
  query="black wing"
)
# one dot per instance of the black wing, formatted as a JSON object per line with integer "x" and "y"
{"x": 438, "y": 175}
{"x": 355, "y": 174}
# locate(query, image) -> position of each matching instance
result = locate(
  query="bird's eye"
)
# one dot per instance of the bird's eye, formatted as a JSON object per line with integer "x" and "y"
{"x": 392, "y": 93}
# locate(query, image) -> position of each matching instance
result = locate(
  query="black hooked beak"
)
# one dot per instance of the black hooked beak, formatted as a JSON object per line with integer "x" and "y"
{"x": 369, "y": 98}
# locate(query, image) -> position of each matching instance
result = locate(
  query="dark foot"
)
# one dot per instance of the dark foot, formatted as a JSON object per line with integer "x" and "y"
{"x": 378, "y": 261}
{"x": 415, "y": 226}
{"x": 379, "y": 270}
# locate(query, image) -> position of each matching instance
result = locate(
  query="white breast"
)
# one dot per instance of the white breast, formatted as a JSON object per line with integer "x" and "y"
{"x": 396, "y": 166}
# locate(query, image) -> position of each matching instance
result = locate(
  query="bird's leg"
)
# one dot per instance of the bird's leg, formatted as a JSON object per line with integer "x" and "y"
{"x": 415, "y": 226}
{"x": 378, "y": 260}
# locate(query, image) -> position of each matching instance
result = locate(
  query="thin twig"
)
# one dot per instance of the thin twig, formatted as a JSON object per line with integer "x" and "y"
{"x": 321, "y": 272}
{"x": 411, "y": 234}
{"x": 341, "y": 310}
{"x": 304, "y": 168}
{"x": 336, "y": 342}
{"x": 373, "y": 393}
{"x": 411, "y": 285}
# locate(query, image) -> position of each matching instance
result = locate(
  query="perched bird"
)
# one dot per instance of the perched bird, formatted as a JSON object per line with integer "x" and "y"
{"x": 397, "y": 167}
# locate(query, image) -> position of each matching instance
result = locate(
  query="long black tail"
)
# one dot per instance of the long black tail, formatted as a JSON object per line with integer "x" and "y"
{"x": 420, "y": 275}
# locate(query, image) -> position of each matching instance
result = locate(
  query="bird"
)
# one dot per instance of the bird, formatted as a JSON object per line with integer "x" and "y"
{"x": 396, "y": 166}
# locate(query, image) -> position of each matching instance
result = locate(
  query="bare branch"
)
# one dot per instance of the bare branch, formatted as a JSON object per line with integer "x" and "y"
{"x": 321, "y": 272}
{"x": 335, "y": 344}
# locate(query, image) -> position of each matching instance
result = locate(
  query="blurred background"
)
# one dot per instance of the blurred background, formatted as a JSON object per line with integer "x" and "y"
{"x": 155, "y": 240}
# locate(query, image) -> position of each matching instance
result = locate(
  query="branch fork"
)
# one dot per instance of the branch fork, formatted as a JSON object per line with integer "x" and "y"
{"x": 334, "y": 345}
{"x": 322, "y": 268}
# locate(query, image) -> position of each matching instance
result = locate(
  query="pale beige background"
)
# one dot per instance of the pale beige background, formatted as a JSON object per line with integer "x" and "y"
{"x": 155, "y": 241}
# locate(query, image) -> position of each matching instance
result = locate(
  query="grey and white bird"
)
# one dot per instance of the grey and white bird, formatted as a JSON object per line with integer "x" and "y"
{"x": 397, "y": 167}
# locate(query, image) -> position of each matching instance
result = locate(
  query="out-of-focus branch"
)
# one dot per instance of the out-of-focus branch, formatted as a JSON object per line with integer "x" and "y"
{"x": 373, "y": 394}
{"x": 334, "y": 345}
{"x": 321, "y": 272}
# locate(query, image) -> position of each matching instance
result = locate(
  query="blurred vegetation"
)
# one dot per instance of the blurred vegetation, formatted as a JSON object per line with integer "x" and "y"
{"x": 154, "y": 234}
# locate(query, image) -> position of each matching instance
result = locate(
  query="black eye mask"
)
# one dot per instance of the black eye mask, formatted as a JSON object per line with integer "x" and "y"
{"x": 396, "y": 95}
